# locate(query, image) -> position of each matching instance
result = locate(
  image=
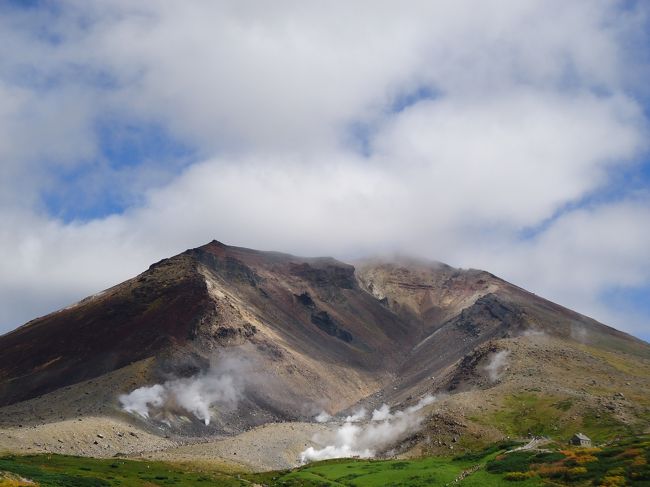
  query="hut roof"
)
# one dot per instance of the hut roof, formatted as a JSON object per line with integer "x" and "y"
{"x": 582, "y": 436}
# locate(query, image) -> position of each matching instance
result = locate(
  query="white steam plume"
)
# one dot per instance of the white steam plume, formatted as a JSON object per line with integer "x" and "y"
{"x": 533, "y": 333}
{"x": 323, "y": 417}
{"x": 381, "y": 414}
{"x": 579, "y": 333}
{"x": 221, "y": 385}
{"x": 140, "y": 400}
{"x": 363, "y": 441}
{"x": 497, "y": 365}
{"x": 358, "y": 415}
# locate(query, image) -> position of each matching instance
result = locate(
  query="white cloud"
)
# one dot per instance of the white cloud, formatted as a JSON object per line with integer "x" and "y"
{"x": 514, "y": 158}
{"x": 534, "y": 108}
{"x": 584, "y": 254}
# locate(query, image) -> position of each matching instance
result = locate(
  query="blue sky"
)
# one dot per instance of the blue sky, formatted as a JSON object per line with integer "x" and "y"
{"x": 103, "y": 184}
{"x": 509, "y": 136}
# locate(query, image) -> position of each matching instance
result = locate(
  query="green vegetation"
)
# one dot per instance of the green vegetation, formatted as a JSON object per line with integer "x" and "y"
{"x": 525, "y": 414}
{"x": 68, "y": 471}
{"x": 601, "y": 426}
{"x": 563, "y": 405}
{"x": 488, "y": 450}
{"x": 520, "y": 461}
{"x": 556, "y": 417}
{"x": 626, "y": 462}
{"x": 422, "y": 472}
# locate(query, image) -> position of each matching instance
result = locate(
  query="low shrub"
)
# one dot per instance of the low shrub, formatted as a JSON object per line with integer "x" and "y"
{"x": 480, "y": 454}
{"x": 630, "y": 453}
{"x": 548, "y": 457}
{"x": 518, "y": 476}
{"x": 613, "y": 481}
{"x": 576, "y": 472}
{"x": 552, "y": 471}
{"x": 586, "y": 459}
{"x": 512, "y": 462}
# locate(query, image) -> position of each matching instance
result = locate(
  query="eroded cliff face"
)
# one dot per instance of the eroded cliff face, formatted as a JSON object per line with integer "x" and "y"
{"x": 428, "y": 293}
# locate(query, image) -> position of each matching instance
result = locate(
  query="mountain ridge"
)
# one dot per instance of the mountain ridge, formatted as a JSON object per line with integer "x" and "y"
{"x": 175, "y": 295}
{"x": 313, "y": 334}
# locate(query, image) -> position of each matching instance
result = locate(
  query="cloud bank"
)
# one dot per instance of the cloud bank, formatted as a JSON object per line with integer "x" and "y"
{"x": 508, "y": 136}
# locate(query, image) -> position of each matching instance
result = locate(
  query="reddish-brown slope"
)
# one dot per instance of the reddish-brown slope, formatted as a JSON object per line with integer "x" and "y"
{"x": 102, "y": 333}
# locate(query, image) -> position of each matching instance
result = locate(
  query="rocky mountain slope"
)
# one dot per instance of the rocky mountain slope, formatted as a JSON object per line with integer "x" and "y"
{"x": 288, "y": 337}
{"x": 292, "y": 315}
{"x": 459, "y": 310}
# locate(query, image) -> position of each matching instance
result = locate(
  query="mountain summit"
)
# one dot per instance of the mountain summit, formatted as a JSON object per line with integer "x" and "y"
{"x": 301, "y": 335}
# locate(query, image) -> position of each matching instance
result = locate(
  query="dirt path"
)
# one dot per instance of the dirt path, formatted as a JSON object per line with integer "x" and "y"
{"x": 464, "y": 474}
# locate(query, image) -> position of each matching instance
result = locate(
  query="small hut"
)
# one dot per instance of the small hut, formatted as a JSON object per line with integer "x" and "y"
{"x": 580, "y": 439}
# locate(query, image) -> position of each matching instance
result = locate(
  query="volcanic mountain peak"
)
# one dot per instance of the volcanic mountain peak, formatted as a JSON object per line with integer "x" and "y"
{"x": 294, "y": 311}
{"x": 306, "y": 334}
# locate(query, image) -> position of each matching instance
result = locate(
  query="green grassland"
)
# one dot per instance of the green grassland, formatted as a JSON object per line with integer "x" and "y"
{"x": 625, "y": 462}
{"x": 556, "y": 417}
{"x": 422, "y": 472}
{"x": 68, "y": 471}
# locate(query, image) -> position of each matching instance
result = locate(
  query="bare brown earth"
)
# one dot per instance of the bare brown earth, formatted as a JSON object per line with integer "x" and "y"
{"x": 274, "y": 446}
{"x": 317, "y": 334}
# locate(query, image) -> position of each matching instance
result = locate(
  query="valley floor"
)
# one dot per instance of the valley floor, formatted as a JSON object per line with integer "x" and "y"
{"x": 625, "y": 462}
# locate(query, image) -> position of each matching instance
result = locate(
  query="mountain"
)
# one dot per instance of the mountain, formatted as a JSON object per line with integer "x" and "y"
{"x": 285, "y": 337}
{"x": 294, "y": 314}
{"x": 460, "y": 310}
